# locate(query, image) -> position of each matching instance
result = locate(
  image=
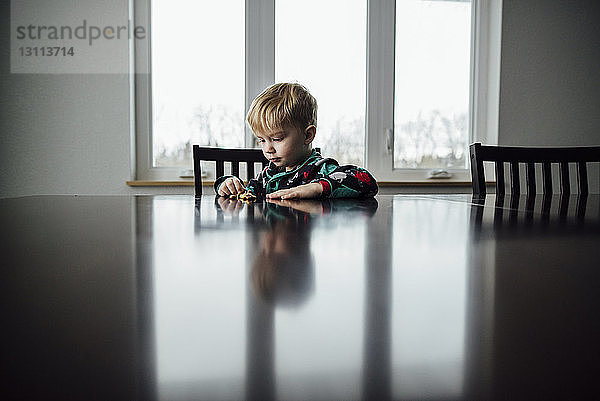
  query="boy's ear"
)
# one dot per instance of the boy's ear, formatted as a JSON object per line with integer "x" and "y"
{"x": 309, "y": 134}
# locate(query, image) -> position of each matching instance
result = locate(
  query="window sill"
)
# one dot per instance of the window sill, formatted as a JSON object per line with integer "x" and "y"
{"x": 173, "y": 183}
{"x": 415, "y": 183}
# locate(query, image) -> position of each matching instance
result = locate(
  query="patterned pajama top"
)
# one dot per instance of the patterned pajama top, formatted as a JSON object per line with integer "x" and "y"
{"x": 337, "y": 181}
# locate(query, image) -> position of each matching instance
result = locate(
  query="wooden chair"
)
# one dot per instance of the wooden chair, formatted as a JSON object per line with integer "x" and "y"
{"x": 531, "y": 155}
{"x": 222, "y": 155}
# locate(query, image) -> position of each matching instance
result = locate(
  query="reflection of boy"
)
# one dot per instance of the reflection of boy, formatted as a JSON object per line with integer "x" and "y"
{"x": 283, "y": 269}
{"x": 284, "y": 119}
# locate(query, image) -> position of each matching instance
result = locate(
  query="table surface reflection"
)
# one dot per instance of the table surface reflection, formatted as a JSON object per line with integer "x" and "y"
{"x": 439, "y": 297}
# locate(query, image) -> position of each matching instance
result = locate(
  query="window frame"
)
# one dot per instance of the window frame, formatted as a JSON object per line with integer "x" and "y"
{"x": 484, "y": 91}
{"x": 486, "y": 17}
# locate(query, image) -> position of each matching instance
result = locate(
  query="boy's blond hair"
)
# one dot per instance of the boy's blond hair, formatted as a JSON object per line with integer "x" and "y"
{"x": 282, "y": 105}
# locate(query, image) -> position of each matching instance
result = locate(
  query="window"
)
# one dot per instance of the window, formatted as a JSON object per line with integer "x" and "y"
{"x": 328, "y": 55}
{"x": 197, "y": 82}
{"x": 431, "y": 97}
{"x": 403, "y": 86}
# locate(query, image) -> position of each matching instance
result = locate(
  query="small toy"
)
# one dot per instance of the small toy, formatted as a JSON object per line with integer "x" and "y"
{"x": 246, "y": 197}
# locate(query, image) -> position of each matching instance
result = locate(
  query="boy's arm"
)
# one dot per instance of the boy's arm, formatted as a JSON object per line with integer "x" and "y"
{"x": 346, "y": 181}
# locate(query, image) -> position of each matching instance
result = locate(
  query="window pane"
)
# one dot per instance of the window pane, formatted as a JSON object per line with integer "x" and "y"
{"x": 322, "y": 45}
{"x": 431, "y": 107}
{"x": 197, "y": 80}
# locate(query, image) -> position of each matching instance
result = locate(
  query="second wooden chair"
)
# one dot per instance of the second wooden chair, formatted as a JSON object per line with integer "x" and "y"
{"x": 222, "y": 155}
{"x": 531, "y": 155}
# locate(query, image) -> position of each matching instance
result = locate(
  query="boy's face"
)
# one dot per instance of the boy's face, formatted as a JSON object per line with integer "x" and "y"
{"x": 286, "y": 147}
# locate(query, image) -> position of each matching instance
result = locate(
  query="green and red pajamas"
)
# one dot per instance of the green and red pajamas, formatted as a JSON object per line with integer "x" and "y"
{"x": 337, "y": 181}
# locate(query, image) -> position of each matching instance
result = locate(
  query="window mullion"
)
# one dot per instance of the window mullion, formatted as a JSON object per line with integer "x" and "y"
{"x": 142, "y": 99}
{"x": 487, "y": 33}
{"x": 485, "y": 78}
{"x": 260, "y": 53}
{"x": 380, "y": 87}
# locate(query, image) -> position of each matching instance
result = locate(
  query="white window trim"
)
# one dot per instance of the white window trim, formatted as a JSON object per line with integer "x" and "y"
{"x": 260, "y": 72}
{"x": 485, "y": 94}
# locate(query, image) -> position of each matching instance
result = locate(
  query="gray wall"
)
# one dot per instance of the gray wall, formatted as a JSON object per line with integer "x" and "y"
{"x": 61, "y": 133}
{"x": 550, "y": 73}
{"x": 66, "y": 134}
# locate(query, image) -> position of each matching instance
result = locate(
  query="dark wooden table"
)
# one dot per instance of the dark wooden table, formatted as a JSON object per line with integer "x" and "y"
{"x": 400, "y": 297}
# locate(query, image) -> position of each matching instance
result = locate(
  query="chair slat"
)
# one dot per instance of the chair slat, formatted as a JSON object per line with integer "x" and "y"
{"x": 515, "y": 186}
{"x": 250, "y": 170}
{"x": 220, "y": 168}
{"x": 499, "y": 178}
{"x": 565, "y": 184}
{"x": 513, "y": 214}
{"x": 235, "y": 168}
{"x": 530, "y": 176}
{"x": 547, "y": 171}
{"x": 582, "y": 178}
{"x": 546, "y": 205}
{"x": 581, "y": 205}
{"x": 499, "y": 210}
{"x": 563, "y": 207}
{"x": 197, "y": 176}
{"x": 530, "y": 206}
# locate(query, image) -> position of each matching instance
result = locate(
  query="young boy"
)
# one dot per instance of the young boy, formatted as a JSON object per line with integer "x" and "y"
{"x": 284, "y": 120}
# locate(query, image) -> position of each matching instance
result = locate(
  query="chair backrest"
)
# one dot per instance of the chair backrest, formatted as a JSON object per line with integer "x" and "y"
{"x": 222, "y": 155}
{"x": 531, "y": 155}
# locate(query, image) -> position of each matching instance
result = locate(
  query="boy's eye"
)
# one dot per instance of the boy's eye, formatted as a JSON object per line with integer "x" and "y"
{"x": 259, "y": 141}
{"x": 277, "y": 139}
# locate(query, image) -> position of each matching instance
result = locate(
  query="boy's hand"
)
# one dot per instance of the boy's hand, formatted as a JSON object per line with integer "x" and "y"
{"x": 231, "y": 186}
{"x": 306, "y": 191}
